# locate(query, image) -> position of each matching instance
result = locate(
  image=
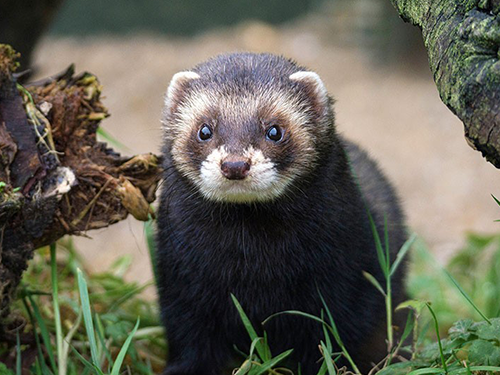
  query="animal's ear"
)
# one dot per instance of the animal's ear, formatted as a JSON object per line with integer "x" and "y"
{"x": 314, "y": 88}
{"x": 177, "y": 87}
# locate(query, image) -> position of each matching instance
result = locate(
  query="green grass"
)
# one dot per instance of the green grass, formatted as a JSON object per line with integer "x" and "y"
{"x": 89, "y": 323}
{"x": 86, "y": 324}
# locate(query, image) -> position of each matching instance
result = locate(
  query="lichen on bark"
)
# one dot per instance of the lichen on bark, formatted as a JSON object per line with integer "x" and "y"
{"x": 462, "y": 38}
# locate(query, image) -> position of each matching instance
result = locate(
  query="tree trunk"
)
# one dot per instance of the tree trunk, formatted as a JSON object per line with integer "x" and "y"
{"x": 462, "y": 38}
{"x": 55, "y": 178}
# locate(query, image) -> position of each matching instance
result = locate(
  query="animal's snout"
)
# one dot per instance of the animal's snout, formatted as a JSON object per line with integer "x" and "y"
{"x": 235, "y": 169}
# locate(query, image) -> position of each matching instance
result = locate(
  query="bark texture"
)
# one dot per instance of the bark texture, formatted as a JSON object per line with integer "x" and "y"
{"x": 55, "y": 178}
{"x": 462, "y": 38}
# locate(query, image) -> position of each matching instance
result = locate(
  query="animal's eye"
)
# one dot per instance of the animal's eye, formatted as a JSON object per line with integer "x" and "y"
{"x": 274, "y": 133}
{"x": 205, "y": 133}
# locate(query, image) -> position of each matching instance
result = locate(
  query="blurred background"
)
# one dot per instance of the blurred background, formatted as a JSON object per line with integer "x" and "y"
{"x": 371, "y": 62}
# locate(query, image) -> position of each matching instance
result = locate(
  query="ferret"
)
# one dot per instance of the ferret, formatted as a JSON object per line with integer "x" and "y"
{"x": 263, "y": 199}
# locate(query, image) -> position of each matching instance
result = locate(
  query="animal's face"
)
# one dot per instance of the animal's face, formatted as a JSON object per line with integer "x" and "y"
{"x": 240, "y": 140}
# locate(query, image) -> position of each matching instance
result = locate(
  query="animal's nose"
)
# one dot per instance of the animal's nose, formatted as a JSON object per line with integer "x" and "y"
{"x": 235, "y": 170}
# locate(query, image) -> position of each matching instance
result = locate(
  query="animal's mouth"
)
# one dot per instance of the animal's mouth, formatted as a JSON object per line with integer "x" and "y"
{"x": 243, "y": 190}
{"x": 247, "y": 190}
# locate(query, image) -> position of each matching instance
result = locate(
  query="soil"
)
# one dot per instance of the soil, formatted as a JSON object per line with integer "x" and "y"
{"x": 392, "y": 110}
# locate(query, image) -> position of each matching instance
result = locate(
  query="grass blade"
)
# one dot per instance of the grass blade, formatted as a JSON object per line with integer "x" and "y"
{"x": 496, "y": 200}
{"x": 266, "y": 349}
{"x": 436, "y": 326}
{"x": 248, "y": 326}
{"x": 336, "y": 336}
{"x": 328, "y": 359}
{"x": 69, "y": 336}
{"x": 325, "y": 333}
{"x": 270, "y": 364}
{"x": 425, "y": 371}
{"x": 244, "y": 368}
{"x": 44, "y": 332}
{"x": 386, "y": 248}
{"x": 482, "y": 368}
{"x": 18, "y": 354}
{"x": 127, "y": 296}
{"x": 295, "y": 312}
{"x": 466, "y": 296}
{"x": 109, "y": 138}
{"x": 41, "y": 367}
{"x": 103, "y": 352}
{"x": 38, "y": 368}
{"x": 402, "y": 252}
{"x": 247, "y": 365}
{"x": 57, "y": 315}
{"x": 410, "y": 322}
{"x": 123, "y": 351}
{"x": 87, "y": 316}
{"x": 151, "y": 243}
{"x": 252, "y": 346}
{"x": 323, "y": 369}
{"x": 374, "y": 282}
{"x": 378, "y": 243}
{"x": 89, "y": 366}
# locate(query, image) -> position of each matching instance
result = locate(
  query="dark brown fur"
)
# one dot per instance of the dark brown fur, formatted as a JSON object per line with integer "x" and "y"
{"x": 273, "y": 255}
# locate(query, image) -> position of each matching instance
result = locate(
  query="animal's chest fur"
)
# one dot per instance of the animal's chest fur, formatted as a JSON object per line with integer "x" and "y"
{"x": 268, "y": 261}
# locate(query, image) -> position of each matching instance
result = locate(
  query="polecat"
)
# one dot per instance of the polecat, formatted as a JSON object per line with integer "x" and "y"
{"x": 259, "y": 200}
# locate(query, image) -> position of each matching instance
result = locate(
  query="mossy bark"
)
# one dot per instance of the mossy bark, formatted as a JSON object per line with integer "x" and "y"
{"x": 462, "y": 38}
{"x": 55, "y": 177}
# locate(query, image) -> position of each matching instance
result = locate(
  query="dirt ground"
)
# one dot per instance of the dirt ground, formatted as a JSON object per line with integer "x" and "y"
{"x": 393, "y": 112}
